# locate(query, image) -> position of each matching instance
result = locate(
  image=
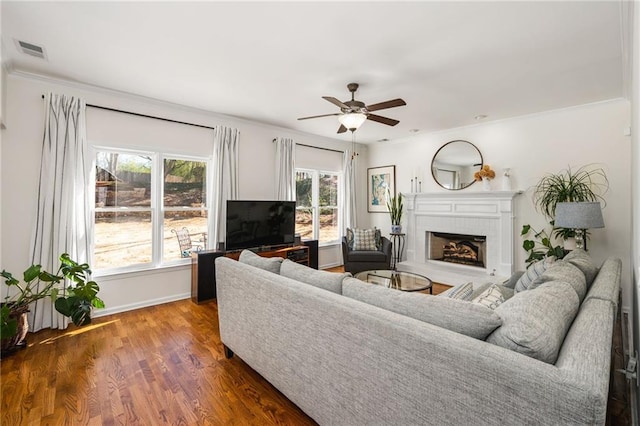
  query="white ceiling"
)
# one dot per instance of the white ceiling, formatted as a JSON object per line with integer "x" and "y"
{"x": 273, "y": 61}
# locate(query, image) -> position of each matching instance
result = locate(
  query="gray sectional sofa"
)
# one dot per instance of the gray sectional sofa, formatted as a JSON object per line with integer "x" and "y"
{"x": 352, "y": 353}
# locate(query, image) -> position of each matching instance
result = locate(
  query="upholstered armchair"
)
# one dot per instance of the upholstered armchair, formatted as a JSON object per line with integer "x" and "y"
{"x": 362, "y": 260}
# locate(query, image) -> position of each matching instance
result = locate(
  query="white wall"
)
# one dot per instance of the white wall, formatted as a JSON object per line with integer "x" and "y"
{"x": 532, "y": 146}
{"x": 635, "y": 179}
{"x": 20, "y": 162}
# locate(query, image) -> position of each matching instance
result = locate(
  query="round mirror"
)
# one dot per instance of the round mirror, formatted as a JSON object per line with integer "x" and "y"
{"x": 455, "y": 163}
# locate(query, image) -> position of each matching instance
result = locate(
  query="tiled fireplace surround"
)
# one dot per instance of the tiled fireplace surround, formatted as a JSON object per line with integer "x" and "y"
{"x": 489, "y": 213}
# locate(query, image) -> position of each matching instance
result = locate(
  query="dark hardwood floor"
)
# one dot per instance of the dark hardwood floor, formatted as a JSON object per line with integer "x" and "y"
{"x": 159, "y": 365}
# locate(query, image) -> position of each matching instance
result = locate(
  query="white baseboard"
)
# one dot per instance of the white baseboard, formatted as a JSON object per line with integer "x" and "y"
{"x": 124, "y": 308}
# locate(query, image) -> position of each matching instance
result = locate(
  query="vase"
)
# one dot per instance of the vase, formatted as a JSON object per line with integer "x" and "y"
{"x": 486, "y": 184}
{"x": 396, "y": 229}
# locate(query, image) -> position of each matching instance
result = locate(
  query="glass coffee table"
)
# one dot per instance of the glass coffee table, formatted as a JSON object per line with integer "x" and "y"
{"x": 405, "y": 281}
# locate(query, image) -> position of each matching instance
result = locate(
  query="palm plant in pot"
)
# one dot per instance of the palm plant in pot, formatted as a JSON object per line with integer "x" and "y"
{"x": 395, "y": 206}
{"x": 75, "y": 302}
{"x": 587, "y": 183}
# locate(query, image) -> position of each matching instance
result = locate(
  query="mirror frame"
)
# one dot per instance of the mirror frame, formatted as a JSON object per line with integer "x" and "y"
{"x": 433, "y": 174}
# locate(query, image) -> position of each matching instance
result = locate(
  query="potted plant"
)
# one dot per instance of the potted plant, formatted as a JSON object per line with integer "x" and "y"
{"x": 75, "y": 302}
{"x": 395, "y": 206}
{"x": 584, "y": 184}
{"x": 484, "y": 175}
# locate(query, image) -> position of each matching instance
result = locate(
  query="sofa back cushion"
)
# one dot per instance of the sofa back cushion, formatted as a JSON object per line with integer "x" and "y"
{"x": 271, "y": 264}
{"x": 466, "y": 318}
{"x": 566, "y": 272}
{"x": 331, "y": 281}
{"x": 535, "y": 322}
{"x": 581, "y": 259}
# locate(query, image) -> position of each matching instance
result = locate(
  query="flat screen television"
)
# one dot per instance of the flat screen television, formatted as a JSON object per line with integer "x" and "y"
{"x": 259, "y": 223}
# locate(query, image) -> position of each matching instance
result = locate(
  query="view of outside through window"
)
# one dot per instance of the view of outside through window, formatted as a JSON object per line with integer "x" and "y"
{"x": 317, "y": 195}
{"x": 124, "y": 228}
{"x": 184, "y": 204}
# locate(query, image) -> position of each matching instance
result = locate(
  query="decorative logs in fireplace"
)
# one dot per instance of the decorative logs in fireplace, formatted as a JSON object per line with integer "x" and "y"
{"x": 457, "y": 248}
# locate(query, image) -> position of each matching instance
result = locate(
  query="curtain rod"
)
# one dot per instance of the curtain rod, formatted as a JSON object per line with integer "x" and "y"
{"x": 316, "y": 147}
{"x": 148, "y": 116}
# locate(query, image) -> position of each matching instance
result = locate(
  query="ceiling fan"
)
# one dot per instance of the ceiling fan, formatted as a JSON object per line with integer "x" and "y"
{"x": 353, "y": 113}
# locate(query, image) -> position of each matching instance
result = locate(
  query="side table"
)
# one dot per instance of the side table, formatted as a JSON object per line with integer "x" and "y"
{"x": 398, "y": 248}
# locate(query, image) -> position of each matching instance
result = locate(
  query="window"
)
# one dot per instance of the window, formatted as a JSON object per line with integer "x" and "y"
{"x": 135, "y": 214}
{"x": 317, "y": 211}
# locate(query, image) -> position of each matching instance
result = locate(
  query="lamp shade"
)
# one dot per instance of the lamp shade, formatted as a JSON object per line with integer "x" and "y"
{"x": 579, "y": 215}
{"x": 352, "y": 120}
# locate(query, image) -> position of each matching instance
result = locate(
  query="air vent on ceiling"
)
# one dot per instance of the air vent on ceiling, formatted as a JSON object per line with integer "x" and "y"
{"x": 31, "y": 49}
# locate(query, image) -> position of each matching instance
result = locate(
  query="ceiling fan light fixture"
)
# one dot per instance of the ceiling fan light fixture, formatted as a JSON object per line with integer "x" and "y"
{"x": 352, "y": 120}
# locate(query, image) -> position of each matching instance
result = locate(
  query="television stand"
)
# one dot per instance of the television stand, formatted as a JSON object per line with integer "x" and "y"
{"x": 203, "y": 269}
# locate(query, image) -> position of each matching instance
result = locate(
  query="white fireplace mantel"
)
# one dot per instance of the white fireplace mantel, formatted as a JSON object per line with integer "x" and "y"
{"x": 488, "y": 213}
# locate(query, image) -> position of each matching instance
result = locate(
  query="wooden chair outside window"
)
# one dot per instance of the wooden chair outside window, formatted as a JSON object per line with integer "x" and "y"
{"x": 186, "y": 245}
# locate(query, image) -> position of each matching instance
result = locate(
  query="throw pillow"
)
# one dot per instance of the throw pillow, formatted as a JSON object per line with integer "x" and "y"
{"x": 326, "y": 280}
{"x": 460, "y": 292}
{"x": 535, "y": 322}
{"x": 581, "y": 259}
{"x": 364, "y": 239}
{"x": 462, "y": 317}
{"x": 378, "y": 237}
{"x": 491, "y": 297}
{"x": 534, "y": 271}
{"x": 271, "y": 264}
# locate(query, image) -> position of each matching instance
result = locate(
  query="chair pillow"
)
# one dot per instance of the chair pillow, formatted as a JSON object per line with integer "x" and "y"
{"x": 581, "y": 259}
{"x": 533, "y": 271}
{"x": 326, "y": 280}
{"x": 364, "y": 239}
{"x": 462, "y": 317}
{"x": 271, "y": 264}
{"x": 535, "y": 322}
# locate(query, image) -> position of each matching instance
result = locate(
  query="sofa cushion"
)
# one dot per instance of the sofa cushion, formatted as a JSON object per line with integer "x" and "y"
{"x": 491, "y": 298}
{"x": 326, "y": 280}
{"x": 456, "y": 315}
{"x": 583, "y": 261}
{"x": 533, "y": 271}
{"x": 566, "y": 272}
{"x": 271, "y": 264}
{"x": 535, "y": 322}
{"x": 367, "y": 256}
{"x": 513, "y": 279}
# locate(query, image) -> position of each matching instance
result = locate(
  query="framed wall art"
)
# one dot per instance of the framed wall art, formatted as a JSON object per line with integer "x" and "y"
{"x": 381, "y": 182}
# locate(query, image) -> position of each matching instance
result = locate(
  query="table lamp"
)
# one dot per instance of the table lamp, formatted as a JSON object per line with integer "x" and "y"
{"x": 579, "y": 216}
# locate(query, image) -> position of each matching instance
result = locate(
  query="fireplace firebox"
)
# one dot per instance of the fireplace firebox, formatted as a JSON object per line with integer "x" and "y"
{"x": 457, "y": 248}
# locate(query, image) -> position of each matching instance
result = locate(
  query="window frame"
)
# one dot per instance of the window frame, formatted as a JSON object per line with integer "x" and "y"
{"x": 315, "y": 202}
{"x": 156, "y": 207}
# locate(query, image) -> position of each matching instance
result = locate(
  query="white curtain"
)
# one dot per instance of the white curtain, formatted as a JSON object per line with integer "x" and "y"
{"x": 348, "y": 190}
{"x": 63, "y": 221}
{"x": 285, "y": 169}
{"x": 225, "y": 177}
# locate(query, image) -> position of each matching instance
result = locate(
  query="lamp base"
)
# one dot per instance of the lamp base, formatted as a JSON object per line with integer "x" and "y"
{"x": 580, "y": 239}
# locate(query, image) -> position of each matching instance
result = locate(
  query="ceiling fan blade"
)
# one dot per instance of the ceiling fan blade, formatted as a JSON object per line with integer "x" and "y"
{"x": 388, "y": 104}
{"x": 383, "y": 120}
{"x": 335, "y": 101}
{"x": 341, "y": 129}
{"x": 318, "y": 116}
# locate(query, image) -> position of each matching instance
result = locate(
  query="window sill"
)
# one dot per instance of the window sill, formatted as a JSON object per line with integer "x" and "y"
{"x": 142, "y": 270}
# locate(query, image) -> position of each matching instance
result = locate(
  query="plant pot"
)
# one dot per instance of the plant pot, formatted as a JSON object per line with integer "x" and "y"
{"x": 18, "y": 341}
{"x": 396, "y": 229}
